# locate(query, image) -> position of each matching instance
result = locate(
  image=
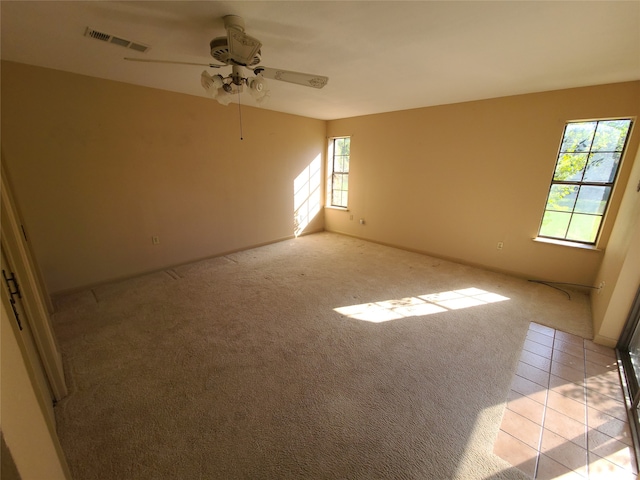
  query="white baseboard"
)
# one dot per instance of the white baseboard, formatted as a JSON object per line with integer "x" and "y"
{"x": 606, "y": 341}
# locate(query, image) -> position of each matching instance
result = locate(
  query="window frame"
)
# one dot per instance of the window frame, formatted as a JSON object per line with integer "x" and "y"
{"x": 332, "y": 171}
{"x": 582, "y": 183}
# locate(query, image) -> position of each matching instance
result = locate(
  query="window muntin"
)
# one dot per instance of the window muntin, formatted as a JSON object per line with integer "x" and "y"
{"x": 584, "y": 175}
{"x": 339, "y": 155}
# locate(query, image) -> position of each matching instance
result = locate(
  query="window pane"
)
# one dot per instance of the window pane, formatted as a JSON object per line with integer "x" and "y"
{"x": 570, "y": 167}
{"x": 611, "y": 135}
{"x": 592, "y": 199}
{"x": 634, "y": 352}
{"x": 585, "y": 170}
{"x": 339, "y": 198}
{"x": 578, "y": 137}
{"x": 342, "y": 146}
{"x": 562, "y": 197}
{"x": 341, "y": 164}
{"x": 555, "y": 224}
{"x": 345, "y": 164}
{"x": 339, "y": 181}
{"x": 602, "y": 167}
{"x": 339, "y": 171}
{"x": 584, "y": 228}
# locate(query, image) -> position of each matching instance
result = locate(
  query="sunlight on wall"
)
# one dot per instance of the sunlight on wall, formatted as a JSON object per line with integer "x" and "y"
{"x": 421, "y": 305}
{"x": 306, "y": 196}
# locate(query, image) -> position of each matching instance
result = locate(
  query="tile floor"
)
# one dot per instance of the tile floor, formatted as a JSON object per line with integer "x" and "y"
{"x": 565, "y": 416}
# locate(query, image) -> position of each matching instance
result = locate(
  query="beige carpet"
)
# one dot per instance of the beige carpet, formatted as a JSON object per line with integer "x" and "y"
{"x": 239, "y": 367}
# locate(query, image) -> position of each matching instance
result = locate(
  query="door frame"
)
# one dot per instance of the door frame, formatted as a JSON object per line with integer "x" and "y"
{"x": 630, "y": 385}
{"x": 36, "y": 302}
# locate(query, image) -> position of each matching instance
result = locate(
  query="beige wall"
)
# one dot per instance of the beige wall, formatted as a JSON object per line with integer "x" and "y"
{"x": 455, "y": 180}
{"x": 99, "y": 167}
{"x": 620, "y": 268}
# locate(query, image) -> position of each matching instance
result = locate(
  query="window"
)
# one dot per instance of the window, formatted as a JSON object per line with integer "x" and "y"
{"x": 339, "y": 153}
{"x": 583, "y": 179}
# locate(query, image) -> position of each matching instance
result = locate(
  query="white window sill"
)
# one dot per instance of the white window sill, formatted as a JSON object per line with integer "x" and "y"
{"x": 332, "y": 207}
{"x": 565, "y": 243}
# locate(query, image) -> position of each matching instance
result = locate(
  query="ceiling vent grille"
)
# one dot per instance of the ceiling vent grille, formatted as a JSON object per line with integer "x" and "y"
{"x": 106, "y": 37}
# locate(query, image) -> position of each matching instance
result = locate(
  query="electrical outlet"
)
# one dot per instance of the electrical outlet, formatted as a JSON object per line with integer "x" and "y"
{"x": 351, "y": 217}
{"x": 155, "y": 240}
{"x": 500, "y": 245}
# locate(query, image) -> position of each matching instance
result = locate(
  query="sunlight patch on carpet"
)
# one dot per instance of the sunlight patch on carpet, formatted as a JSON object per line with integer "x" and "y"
{"x": 441, "y": 302}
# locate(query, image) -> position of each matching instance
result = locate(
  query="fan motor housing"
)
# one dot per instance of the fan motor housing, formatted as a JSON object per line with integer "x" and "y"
{"x": 220, "y": 51}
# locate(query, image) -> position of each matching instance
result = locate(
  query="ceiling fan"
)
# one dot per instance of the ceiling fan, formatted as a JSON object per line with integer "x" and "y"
{"x": 239, "y": 50}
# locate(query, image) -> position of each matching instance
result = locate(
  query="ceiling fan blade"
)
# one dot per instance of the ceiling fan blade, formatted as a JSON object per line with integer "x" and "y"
{"x": 148, "y": 60}
{"x": 306, "y": 79}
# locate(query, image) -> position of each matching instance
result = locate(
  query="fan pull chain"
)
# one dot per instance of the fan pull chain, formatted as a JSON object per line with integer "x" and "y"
{"x": 240, "y": 114}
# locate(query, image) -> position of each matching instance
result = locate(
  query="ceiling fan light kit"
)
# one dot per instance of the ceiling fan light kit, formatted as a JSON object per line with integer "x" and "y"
{"x": 223, "y": 90}
{"x": 238, "y": 50}
{"x": 210, "y": 83}
{"x": 259, "y": 89}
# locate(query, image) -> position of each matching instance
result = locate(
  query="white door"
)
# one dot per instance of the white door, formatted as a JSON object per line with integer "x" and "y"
{"x": 34, "y": 304}
{"x": 12, "y": 295}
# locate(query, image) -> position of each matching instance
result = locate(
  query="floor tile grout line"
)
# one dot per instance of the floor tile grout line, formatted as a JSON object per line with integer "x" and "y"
{"x": 531, "y": 330}
{"x": 537, "y": 343}
{"x": 547, "y": 408}
{"x": 544, "y": 413}
{"x": 586, "y": 409}
{"x": 544, "y": 418}
{"x": 528, "y": 380}
{"x": 534, "y": 366}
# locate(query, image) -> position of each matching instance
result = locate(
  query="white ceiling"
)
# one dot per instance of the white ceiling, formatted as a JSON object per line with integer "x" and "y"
{"x": 379, "y": 56}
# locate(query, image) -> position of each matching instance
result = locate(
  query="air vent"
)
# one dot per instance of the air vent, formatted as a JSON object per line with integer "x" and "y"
{"x": 106, "y": 37}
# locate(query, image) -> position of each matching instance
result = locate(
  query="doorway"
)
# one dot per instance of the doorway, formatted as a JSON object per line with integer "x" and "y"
{"x": 628, "y": 351}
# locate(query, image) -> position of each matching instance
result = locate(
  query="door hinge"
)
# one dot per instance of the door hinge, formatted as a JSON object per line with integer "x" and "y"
{"x": 13, "y": 291}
